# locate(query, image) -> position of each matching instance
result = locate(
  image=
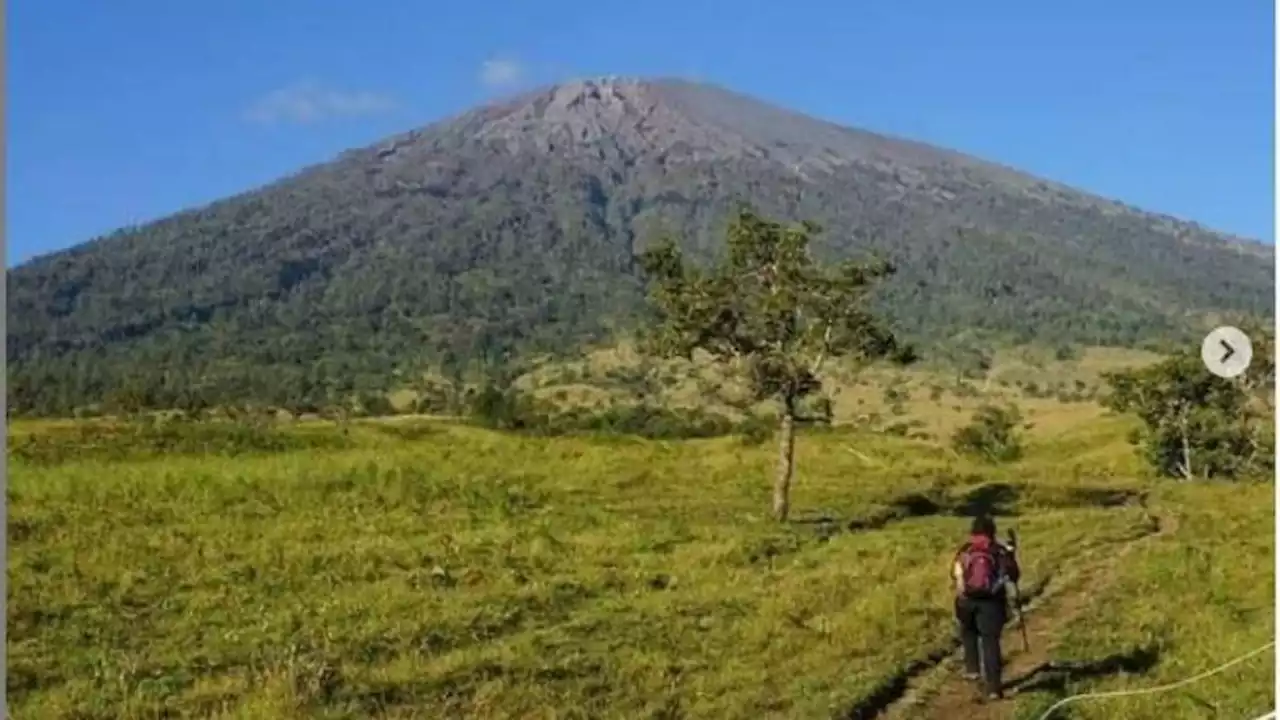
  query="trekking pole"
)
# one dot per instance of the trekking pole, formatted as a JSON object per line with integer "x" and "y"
{"x": 1017, "y": 596}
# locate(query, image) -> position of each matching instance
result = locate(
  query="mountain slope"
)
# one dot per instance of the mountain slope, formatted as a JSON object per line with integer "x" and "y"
{"x": 514, "y": 226}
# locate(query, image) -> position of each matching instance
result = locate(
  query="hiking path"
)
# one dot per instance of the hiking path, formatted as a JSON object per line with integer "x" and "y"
{"x": 943, "y": 694}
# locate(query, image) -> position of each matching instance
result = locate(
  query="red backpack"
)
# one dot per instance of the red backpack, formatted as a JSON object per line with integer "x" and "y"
{"x": 980, "y": 568}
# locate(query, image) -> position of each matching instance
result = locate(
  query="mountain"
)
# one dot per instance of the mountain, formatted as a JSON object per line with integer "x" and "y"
{"x": 514, "y": 227}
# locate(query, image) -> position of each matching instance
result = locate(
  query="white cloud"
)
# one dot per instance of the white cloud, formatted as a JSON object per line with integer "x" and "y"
{"x": 497, "y": 73}
{"x": 310, "y": 102}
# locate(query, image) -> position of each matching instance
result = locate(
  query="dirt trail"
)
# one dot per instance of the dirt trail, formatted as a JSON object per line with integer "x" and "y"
{"x": 942, "y": 694}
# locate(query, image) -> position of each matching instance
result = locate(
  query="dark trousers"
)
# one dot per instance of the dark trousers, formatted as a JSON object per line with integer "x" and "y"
{"x": 980, "y": 623}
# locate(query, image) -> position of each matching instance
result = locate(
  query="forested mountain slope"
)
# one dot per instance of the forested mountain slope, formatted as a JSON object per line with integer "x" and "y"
{"x": 513, "y": 227}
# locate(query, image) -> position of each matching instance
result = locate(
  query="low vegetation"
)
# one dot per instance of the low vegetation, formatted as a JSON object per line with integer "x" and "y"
{"x": 1184, "y": 602}
{"x": 508, "y": 408}
{"x": 1197, "y": 425}
{"x": 992, "y": 435}
{"x": 411, "y": 567}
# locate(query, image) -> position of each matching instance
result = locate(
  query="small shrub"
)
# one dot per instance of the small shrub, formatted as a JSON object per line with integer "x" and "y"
{"x": 894, "y": 395}
{"x": 501, "y": 408}
{"x": 757, "y": 429}
{"x": 436, "y": 398}
{"x": 900, "y": 429}
{"x": 816, "y": 410}
{"x": 991, "y": 435}
{"x": 376, "y": 405}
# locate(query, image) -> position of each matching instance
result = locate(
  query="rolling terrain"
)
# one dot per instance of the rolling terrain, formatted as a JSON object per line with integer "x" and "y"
{"x": 408, "y": 567}
{"x": 513, "y": 228}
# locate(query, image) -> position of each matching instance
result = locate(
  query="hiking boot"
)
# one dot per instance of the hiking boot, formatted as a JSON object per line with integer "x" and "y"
{"x": 971, "y": 676}
{"x": 993, "y": 696}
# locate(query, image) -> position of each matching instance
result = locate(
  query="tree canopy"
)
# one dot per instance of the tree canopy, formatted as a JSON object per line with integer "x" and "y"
{"x": 771, "y": 310}
{"x": 1196, "y": 425}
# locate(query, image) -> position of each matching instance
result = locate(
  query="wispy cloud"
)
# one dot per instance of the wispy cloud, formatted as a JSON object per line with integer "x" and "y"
{"x": 311, "y": 102}
{"x": 501, "y": 72}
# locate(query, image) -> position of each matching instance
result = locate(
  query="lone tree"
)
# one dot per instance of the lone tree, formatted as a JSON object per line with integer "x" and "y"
{"x": 768, "y": 308}
{"x": 1197, "y": 425}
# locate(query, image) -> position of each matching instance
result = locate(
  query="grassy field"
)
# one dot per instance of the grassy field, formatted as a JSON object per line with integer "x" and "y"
{"x": 1183, "y": 604}
{"x": 420, "y": 569}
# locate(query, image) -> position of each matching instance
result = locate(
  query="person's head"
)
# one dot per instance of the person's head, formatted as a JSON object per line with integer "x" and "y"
{"x": 983, "y": 525}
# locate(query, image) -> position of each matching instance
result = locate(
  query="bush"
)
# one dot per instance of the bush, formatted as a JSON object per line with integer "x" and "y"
{"x": 899, "y": 429}
{"x": 376, "y": 405}
{"x": 757, "y": 429}
{"x": 992, "y": 434}
{"x": 504, "y": 408}
{"x": 894, "y": 395}
{"x": 436, "y": 398}
{"x": 652, "y": 422}
{"x": 1034, "y": 390}
{"x": 815, "y": 411}
{"x": 1064, "y": 353}
{"x": 1197, "y": 425}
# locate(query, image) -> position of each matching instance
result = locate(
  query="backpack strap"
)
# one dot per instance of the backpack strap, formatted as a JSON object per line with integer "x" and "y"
{"x": 1004, "y": 558}
{"x": 956, "y": 571}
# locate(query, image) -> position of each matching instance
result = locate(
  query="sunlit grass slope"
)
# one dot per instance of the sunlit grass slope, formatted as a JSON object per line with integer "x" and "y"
{"x": 431, "y": 570}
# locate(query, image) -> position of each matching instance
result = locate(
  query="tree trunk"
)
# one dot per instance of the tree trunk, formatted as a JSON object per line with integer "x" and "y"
{"x": 786, "y": 462}
{"x": 1187, "y": 472}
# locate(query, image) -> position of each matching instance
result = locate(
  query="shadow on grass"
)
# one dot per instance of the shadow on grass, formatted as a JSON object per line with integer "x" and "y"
{"x": 1056, "y": 677}
{"x": 894, "y": 688}
{"x": 1099, "y": 497}
{"x": 993, "y": 499}
{"x": 1003, "y": 499}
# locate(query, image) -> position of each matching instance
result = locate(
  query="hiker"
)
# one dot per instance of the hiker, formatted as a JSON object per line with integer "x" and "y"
{"x": 980, "y": 571}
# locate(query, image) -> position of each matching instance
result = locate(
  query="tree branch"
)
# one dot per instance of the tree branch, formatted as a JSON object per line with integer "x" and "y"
{"x": 822, "y": 350}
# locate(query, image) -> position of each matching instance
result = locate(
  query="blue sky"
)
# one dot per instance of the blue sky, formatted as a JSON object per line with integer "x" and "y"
{"x": 124, "y": 111}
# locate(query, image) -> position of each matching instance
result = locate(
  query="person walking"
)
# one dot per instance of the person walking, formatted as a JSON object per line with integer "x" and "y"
{"x": 981, "y": 571}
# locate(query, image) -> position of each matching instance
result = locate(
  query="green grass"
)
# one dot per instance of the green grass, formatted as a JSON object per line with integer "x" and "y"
{"x": 1191, "y": 601}
{"x": 428, "y": 570}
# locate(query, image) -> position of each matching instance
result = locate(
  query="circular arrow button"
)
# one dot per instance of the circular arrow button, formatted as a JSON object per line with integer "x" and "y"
{"x": 1226, "y": 352}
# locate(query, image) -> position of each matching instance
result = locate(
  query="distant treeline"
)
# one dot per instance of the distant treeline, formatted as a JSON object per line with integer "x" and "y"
{"x": 80, "y": 386}
{"x": 238, "y": 431}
